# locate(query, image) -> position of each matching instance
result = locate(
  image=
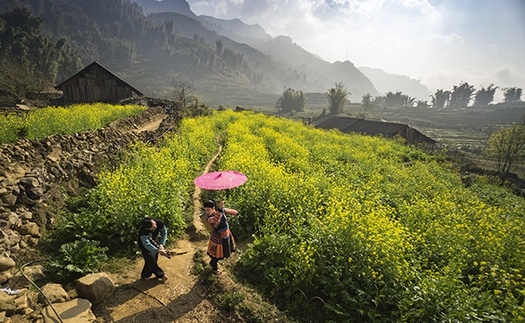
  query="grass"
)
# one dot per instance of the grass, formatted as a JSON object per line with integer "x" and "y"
{"x": 235, "y": 297}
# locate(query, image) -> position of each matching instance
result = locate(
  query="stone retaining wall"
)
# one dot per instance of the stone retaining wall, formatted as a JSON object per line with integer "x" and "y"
{"x": 30, "y": 167}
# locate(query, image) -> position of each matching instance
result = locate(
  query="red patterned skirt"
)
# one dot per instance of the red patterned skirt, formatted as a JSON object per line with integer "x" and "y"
{"x": 220, "y": 247}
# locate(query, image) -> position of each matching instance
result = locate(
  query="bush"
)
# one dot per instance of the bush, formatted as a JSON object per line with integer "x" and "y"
{"x": 78, "y": 258}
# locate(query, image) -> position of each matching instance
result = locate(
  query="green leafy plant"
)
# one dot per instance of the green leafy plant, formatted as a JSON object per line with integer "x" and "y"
{"x": 78, "y": 258}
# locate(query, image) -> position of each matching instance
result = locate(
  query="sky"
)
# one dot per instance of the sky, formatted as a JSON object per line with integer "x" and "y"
{"x": 439, "y": 42}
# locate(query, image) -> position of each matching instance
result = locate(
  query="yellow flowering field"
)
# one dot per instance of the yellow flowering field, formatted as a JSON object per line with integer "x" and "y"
{"x": 152, "y": 181}
{"x": 361, "y": 229}
{"x": 347, "y": 228}
{"x": 40, "y": 123}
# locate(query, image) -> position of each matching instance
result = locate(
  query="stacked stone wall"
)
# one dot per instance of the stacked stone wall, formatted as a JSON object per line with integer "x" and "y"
{"x": 30, "y": 168}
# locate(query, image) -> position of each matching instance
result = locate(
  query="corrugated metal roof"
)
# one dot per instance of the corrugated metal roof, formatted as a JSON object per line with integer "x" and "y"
{"x": 373, "y": 128}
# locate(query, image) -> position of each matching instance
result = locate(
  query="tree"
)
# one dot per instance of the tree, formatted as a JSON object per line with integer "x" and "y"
{"x": 29, "y": 61}
{"x": 440, "y": 99}
{"x": 398, "y": 99}
{"x": 183, "y": 90}
{"x": 484, "y": 97}
{"x": 461, "y": 95}
{"x": 337, "y": 98}
{"x": 512, "y": 94}
{"x": 366, "y": 102}
{"x": 219, "y": 45}
{"x": 420, "y": 104}
{"x": 506, "y": 146}
{"x": 291, "y": 100}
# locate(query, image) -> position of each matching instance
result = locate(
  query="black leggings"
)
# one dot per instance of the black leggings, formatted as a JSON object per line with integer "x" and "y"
{"x": 151, "y": 266}
{"x": 213, "y": 263}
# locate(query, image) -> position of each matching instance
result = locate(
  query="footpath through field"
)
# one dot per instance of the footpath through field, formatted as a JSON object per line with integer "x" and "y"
{"x": 183, "y": 298}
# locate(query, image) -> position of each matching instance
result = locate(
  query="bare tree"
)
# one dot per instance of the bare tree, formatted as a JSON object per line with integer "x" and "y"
{"x": 183, "y": 90}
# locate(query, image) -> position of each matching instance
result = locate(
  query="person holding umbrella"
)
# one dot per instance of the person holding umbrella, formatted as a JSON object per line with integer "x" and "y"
{"x": 221, "y": 244}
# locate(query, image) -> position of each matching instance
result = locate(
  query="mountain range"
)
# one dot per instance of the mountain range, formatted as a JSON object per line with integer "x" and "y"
{"x": 151, "y": 43}
{"x": 283, "y": 49}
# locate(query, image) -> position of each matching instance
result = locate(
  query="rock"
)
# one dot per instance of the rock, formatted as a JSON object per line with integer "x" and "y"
{"x": 9, "y": 200}
{"x": 54, "y": 293}
{"x": 24, "y": 214}
{"x": 5, "y": 276}
{"x": 21, "y": 302}
{"x": 35, "y": 272}
{"x": 32, "y": 241}
{"x": 30, "y": 228}
{"x": 7, "y": 303}
{"x": 77, "y": 310}
{"x": 6, "y": 263}
{"x": 4, "y": 238}
{"x": 13, "y": 219}
{"x": 95, "y": 287}
{"x": 13, "y": 237}
{"x": 30, "y": 181}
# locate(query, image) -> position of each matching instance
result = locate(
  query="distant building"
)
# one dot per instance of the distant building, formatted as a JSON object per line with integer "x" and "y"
{"x": 374, "y": 128}
{"x": 95, "y": 83}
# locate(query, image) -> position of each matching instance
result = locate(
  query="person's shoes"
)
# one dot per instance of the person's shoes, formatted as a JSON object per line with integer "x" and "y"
{"x": 217, "y": 272}
{"x": 164, "y": 278}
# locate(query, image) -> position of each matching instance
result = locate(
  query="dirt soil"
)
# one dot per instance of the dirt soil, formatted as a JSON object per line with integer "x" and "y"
{"x": 182, "y": 298}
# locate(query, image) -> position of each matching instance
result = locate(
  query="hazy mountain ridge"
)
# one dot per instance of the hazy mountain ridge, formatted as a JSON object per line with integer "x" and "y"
{"x": 388, "y": 82}
{"x": 154, "y": 6}
{"x": 234, "y": 27}
{"x": 308, "y": 72}
{"x": 147, "y": 51}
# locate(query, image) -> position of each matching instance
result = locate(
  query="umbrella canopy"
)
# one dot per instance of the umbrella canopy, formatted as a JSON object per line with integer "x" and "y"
{"x": 220, "y": 180}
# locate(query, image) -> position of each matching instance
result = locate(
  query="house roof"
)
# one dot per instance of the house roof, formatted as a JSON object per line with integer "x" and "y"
{"x": 372, "y": 128}
{"x": 120, "y": 82}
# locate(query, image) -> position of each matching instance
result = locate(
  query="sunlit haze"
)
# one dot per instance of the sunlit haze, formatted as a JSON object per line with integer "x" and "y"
{"x": 439, "y": 42}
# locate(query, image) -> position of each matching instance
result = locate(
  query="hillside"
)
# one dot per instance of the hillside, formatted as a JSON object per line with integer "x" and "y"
{"x": 149, "y": 51}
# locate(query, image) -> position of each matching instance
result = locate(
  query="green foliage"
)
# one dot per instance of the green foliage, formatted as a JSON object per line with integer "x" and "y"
{"x": 40, "y": 123}
{"x": 346, "y": 227}
{"x": 230, "y": 301}
{"x": 291, "y": 100}
{"x": 512, "y": 94}
{"x": 506, "y": 146}
{"x": 78, "y": 258}
{"x": 337, "y": 98}
{"x": 441, "y": 99}
{"x": 151, "y": 182}
{"x": 461, "y": 95}
{"x": 397, "y": 99}
{"x": 484, "y": 97}
{"x": 30, "y": 60}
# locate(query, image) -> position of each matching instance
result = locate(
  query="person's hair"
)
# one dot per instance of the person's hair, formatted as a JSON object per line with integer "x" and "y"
{"x": 146, "y": 223}
{"x": 210, "y": 203}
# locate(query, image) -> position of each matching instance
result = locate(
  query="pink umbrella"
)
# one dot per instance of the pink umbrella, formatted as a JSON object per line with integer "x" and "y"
{"x": 220, "y": 180}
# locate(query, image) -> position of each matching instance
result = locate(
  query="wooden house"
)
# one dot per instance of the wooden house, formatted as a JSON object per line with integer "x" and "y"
{"x": 374, "y": 128}
{"x": 95, "y": 83}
